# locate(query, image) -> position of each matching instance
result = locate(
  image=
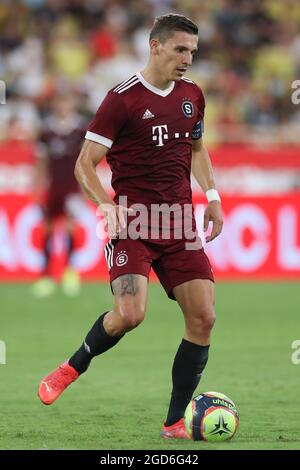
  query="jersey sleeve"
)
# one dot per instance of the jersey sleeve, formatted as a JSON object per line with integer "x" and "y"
{"x": 198, "y": 129}
{"x": 110, "y": 118}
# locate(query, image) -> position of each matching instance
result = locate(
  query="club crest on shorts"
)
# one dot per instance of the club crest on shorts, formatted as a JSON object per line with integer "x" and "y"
{"x": 121, "y": 258}
{"x": 188, "y": 108}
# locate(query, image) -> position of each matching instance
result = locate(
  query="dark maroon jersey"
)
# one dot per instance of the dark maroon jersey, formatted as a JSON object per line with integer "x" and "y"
{"x": 62, "y": 147}
{"x": 149, "y": 134}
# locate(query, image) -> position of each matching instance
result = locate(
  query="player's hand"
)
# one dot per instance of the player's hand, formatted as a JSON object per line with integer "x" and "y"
{"x": 115, "y": 217}
{"x": 213, "y": 213}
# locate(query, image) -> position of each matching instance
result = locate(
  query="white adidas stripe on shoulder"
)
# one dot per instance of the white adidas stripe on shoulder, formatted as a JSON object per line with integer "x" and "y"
{"x": 127, "y": 84}
{"x": 124, "y": 88}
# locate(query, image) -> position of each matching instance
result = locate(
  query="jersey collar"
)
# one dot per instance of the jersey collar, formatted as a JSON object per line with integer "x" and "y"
{"x": 152, "y": 88}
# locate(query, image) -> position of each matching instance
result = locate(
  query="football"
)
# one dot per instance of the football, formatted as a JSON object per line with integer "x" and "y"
{"x": 211, "y": 416}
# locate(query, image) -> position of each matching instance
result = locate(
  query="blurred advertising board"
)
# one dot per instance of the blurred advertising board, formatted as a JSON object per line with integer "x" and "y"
{"x": 260, "y": 239}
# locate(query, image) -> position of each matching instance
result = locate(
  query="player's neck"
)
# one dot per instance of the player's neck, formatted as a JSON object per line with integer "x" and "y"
{"x": 155, "y": 78}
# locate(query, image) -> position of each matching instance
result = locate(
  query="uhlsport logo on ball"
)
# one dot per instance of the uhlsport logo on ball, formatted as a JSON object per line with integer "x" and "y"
{"x": 212, "y": 417}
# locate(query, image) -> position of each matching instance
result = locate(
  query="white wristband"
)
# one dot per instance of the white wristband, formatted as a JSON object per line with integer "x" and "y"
{"x": 212, "y": 195}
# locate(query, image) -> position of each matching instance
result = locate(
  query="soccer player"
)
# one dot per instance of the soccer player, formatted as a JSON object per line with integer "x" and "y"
{"x": 150, "y": 129}
{"x": 60, "y": 143}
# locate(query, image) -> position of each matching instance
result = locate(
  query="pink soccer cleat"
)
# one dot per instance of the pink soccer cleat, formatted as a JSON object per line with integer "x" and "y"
{"x": 52, "y": 386}
{"x": 175, "y": 431}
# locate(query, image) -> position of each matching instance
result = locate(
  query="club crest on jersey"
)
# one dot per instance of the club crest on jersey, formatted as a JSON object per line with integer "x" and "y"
{"x": 188, "y": 108}
{"x": 122, "y": 258}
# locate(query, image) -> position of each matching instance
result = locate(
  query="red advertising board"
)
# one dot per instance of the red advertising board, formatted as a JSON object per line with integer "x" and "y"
{"x": 260, "y": 239}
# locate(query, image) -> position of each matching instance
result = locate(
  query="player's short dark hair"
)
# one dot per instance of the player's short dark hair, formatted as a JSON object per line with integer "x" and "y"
{"x": 165, "y": 26}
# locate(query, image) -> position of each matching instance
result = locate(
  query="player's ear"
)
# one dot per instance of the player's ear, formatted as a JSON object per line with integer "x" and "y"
{"x": 154, "y": 46}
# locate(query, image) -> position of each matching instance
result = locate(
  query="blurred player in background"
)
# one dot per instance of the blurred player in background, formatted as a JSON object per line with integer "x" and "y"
{"x": 150, "y": 127}
{"x": 59, "y": 145}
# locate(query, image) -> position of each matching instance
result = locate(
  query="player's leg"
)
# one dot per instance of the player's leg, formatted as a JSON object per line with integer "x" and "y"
{"x": 130, "y": 304}
{"x": 47, "y": 245}
{"x": 196, "y": 299}
{"x": 71, "y": 277}
{"x": 46, "y": 285}
{"x": 124, "y": 257}
{"x": 51, "y": 209}
{"x": 130, "y": 294}
{"x": 72, "y": 204}
{"x": 187, "y": 277}
{"x": 70, "y": 227}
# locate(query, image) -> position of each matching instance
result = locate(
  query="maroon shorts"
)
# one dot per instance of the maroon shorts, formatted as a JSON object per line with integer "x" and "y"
{"x": 171, "y": 262}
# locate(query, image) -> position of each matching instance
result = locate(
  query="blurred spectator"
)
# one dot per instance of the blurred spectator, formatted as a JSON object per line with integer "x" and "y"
{"x": 103, "y": 43}
{"x": 68, "y": 51}
{"x": 17, "y": 158}
{"x": 21, "y": 110}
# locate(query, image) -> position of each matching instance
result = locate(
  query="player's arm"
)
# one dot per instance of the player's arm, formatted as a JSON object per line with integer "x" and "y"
{"x": 92, "y": 153}
{"x": 90, "y": 156}
{"x": 203, "y": 173}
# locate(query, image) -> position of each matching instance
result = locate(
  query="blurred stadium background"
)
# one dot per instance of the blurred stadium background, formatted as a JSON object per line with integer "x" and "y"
{"x": 248, "y": 59}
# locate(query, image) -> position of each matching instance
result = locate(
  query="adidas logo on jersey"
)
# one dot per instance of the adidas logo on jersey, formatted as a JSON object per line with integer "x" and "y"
{"x": 147, "y": 114}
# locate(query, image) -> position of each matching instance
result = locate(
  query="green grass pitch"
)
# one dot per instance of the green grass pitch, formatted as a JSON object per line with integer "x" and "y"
{"x": 121, "y": 401}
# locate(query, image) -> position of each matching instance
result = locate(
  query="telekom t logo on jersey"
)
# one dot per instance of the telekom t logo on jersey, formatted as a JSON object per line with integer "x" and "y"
{"x": 159, "y": 133}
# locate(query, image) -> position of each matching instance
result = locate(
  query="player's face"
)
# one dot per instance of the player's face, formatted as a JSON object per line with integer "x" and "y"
{"x": 176, "y": 55}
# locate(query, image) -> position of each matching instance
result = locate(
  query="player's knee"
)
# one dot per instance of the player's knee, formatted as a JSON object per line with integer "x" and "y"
{"x": 131, "y": 317}
{"x": 202, "y": 320}
{"x": 209, "y": 320}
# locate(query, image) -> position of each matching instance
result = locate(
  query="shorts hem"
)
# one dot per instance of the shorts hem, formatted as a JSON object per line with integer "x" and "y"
{"x": 190, "y": 278}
